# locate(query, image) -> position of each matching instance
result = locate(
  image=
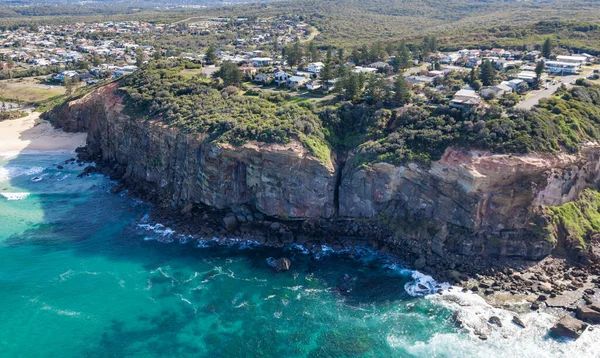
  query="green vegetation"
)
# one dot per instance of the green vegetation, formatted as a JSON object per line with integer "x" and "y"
{"x": 577, "y": 219}
{"x": 372, "y": 129}
{"x": 198, "y": 105}
{"x": 562, "y": 122}
{"x": 6, "y": 115}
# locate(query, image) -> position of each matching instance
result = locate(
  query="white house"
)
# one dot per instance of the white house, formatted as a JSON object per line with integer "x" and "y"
{"x": 465, "y": 99}
{"x": 296, "y": 81}
{"x": 315, "y": 67}
{"x": 261, "y": 61}
{"x": 562, "y": 68}
{"x": 572, "y": 59}
{"x": 281, "y": 76}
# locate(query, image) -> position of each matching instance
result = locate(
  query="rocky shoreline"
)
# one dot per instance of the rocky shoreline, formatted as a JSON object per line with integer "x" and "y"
{"x": 556, "y": 284}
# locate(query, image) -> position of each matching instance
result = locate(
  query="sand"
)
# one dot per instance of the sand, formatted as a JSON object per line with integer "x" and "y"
{"x": 32, "y": 133}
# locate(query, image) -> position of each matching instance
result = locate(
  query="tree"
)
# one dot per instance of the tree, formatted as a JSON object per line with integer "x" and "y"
{"x": 139, "y": 57}
{"x": 157, "y": 54}
{"x": 96, "y": 60}
{"x": 402, "y": 94}
{"x": 403, "y": 58}
{"x": 429, "y": 45}
{"x": 68, "y": 82}
{"x": 488, "y": 73}
{"x": 230, "y": 74}
{"x": 211, "y": 55}
{"x": 293, "y": 55}
{"x": 340, "y": 55}
{"x": 547, "y": 48}
{"x": 378, "y": 89}
{"x": 539, "y": 69}
{"x": 327, "y": 70}
{"x": 313, "y": 52}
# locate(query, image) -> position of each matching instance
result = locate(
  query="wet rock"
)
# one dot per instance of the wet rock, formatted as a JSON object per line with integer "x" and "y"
{"x": 518, "y": 321}
{"x": 282, "y": 264}
{"x": 588, "y": 314}
{"x": 569, "y": 327}
{"x": 90, "y": 169}
{"x": 230, "y": 222}
{"x": 60, "y": 167}
{"x": 420, "y": 263}
{"x": 495, "y": 320}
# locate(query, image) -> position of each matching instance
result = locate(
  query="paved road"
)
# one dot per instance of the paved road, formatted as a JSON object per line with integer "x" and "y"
{"x": 533, "y": 100}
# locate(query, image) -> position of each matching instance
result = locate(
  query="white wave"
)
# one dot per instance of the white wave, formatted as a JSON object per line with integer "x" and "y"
{"x": 15, "y": 196}
{"x": 11, "y": 171}
{"x": 473, "y": 313}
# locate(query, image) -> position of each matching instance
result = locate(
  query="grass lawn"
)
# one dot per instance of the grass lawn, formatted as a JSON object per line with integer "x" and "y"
{"x": 28, "y": 92}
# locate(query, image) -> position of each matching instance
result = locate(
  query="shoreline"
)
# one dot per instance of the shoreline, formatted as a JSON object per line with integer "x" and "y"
{"x": 34, "y": 134}
{"x": 516, "y": 285}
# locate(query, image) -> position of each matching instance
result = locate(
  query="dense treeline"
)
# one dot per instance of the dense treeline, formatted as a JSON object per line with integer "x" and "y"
{"x": 199, "y": 105}
{"x": 569, "y": 118}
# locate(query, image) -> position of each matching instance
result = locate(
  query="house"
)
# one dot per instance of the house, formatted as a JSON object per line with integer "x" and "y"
{"x": 281, "y": 76}
{"x": 248, "y": 70}
{"x": 296, "y": 81}
{"x": 517, "y": 85}
{"x": 527, "y": 76}
{"x": 465, "y": 99}
{"x": 359, "y": 69}
{"x": 263, "y": 78}
{"x": 572, "y": 59}
{"x": 314, "y": 85}
{"x": 419, "y": 79}
{"x": 381, "y": 66}
{"x": 562, "y": 68}
{"x": 261, "y": 61}
{"x": 496, "y": 91}
{"x": 315, "y": 67}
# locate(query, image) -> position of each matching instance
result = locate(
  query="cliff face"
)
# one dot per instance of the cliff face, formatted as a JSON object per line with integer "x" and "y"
{"x": 473, "y": 202}
{"x": 469, "y": 202}
{"x": 183, "y": 169}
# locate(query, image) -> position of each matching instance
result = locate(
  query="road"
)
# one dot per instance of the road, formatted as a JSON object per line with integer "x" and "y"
{"x": 533, "y": 100}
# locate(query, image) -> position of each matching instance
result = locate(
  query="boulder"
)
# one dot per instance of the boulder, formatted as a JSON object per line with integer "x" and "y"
{"x": 282, "y": 264}
{"x": 518, "y": 321}
{"x": 230, "y": 222}
{"x": 420, "y": 263}
{"x": 495, "y": 320}
{"x": 569, "y": 327}
{"x": 588, "y": 314}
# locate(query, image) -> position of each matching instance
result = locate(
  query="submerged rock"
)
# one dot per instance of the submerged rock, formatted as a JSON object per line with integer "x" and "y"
{"x": 569, "y": 327}
{"x": 281, "y": 264}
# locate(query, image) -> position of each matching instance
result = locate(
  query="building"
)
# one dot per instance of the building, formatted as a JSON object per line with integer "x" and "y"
{"x": 572, "y": 59}
{"x": 465, "y": 99}
{"x": 296, "y": 81}
{"x": 562, "y": 68}
{"x": 315, "y": 67}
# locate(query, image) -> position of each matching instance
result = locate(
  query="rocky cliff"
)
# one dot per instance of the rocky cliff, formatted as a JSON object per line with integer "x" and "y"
{"x": 470, "y": 202}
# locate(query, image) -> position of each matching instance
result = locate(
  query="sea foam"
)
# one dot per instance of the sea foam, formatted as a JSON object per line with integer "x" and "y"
{"x": 15, "y": 196}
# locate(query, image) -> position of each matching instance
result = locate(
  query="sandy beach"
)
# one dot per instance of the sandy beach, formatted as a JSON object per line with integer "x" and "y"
{"x": 34, "y": 133}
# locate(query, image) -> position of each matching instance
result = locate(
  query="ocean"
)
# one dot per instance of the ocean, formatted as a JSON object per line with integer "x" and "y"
{"x": 83, "y": 273}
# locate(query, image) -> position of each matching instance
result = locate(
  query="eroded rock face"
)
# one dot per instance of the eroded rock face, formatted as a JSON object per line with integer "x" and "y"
{"x": 468, "y": 203}
{"x": 182, "y": 169}
{"x": 471, "y": 202}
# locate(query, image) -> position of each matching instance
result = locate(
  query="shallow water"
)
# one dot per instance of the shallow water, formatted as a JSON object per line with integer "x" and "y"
{"x": 83, "y": 274}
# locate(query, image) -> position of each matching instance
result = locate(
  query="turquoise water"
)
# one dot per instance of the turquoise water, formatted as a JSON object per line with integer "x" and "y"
{"x": 81, "y": 276}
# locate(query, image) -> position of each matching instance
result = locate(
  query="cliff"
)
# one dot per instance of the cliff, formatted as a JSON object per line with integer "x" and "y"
{"x": 471, "y": 203}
